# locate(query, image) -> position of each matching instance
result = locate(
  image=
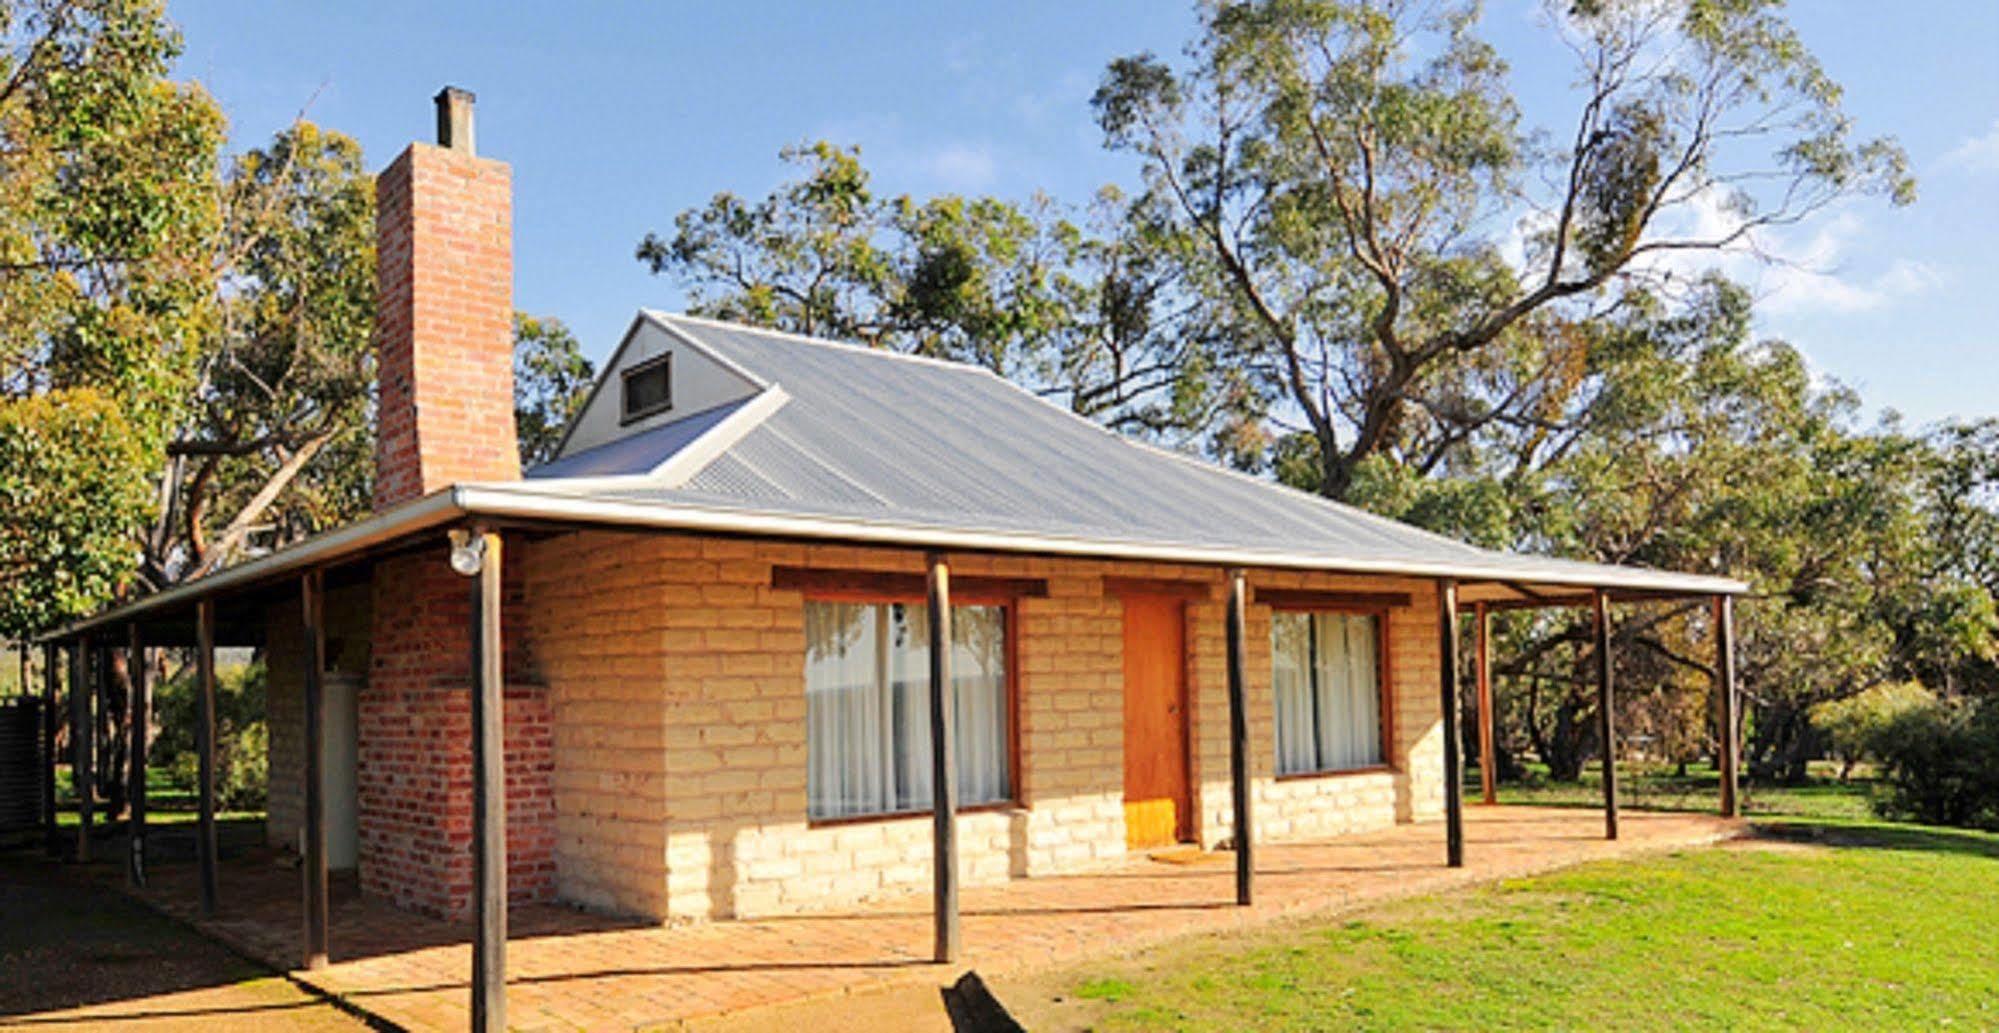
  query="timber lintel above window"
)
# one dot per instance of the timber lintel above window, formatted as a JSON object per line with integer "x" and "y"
{"x": 1315, "y": 599}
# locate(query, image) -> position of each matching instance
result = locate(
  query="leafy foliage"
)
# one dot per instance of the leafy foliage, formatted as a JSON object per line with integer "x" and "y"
{"x": 66, "y": 460}
{"x": 1082, "y": 312}
{"x": 106, "y": 203}
{"x": 242, "y": 738}
{"x": 551, "y": 381}
{"x": 1940, "y": 761}
{"x": 1853, "y": 725}
{"x": 1674, "y": 440}
{"x": 1342, "y": 181}
{"x": 272, "y": 448}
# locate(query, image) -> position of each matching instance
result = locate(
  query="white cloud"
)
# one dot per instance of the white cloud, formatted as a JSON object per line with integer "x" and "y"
{"x": 962, "y": 167}
{"x": 1795, "y": 270}
{"x": 1977, "y": 153}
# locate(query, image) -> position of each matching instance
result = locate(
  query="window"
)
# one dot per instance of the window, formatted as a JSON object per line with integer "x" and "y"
{"x": 648, "y": 388}
{"x": 1326, "y": 673}
{"x": 867, "y": 691}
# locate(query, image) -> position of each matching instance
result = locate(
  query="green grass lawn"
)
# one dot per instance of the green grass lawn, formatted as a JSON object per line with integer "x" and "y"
{"x": 166, "y": 803}
{"x": 1827, "y": 925}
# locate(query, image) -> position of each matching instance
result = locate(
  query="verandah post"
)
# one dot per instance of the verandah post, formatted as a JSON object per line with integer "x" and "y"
{"x": 1482, "y": 661}
{"x": 311, "y": 600}
{"x": 489, "y": 791}
{"x": 135, "y": 795}
{"x": 1724, "y": 675}
{"x": 1606, "y": 718}
{"x": 51, "y": 700}
{"x": 80, "y": 736}
{"x": 204, "y": 737}
{"x": 1245, "y": 835}
{"x": 1454, "y": 765}
{"x": 943, "y": 761}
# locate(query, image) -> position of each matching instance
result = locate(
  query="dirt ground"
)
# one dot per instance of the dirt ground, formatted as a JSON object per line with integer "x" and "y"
{"x": 76, "y": 954}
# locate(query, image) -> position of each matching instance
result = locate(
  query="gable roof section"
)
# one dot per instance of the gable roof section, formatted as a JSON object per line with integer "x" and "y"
{"x": 866, "y": 438}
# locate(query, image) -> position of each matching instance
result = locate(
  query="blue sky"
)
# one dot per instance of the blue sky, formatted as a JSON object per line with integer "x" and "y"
{"x": 617, "y": 116}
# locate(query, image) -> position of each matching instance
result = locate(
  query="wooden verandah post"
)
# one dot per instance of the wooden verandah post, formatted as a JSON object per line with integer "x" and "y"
{"x": 489, "y": 790}
{"x": 135, "y": 794}
{"x": 80, "y": 735}
{"x": 1724, "y": 676}
{"x": 1244, "y": 808}
{"x": 943, "y": 762}
{"x": 313, "y": 871}
{"x": 1482, "y": 662}
{"x": 51, "y": 700}
{"x": 204, "y": 736}
{"x": 1454, "y": 768}
{"x": 1606, "y": 718}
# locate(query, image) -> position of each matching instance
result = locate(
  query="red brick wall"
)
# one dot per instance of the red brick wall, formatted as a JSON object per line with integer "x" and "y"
{"x": 443, "y": 323}
{"x": 416, "y": 745}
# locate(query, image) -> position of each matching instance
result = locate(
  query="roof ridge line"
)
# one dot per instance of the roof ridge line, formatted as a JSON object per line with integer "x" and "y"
{"x": 697, "y": 455}
{"x": 822, "y": 342}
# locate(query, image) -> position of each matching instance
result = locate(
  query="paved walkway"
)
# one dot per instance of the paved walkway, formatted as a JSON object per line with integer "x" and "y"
{"x": 76, "y": 954}
{"x": 569, "y": 970}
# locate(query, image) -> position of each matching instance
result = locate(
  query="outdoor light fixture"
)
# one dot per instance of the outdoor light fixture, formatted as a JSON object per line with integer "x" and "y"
{"x": 468, "y": 552}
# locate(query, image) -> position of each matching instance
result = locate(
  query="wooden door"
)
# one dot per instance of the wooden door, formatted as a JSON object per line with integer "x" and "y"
{"x": 1156, "y": 803}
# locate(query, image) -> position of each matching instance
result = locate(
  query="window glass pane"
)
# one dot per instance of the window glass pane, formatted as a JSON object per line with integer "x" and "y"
{"x": 1290, "y": 656}
{"x": 648, "y": 389}
{"x": 867, "y": 678}
{"x": 846, "y": 724}
{"x": 1326, "y": 680}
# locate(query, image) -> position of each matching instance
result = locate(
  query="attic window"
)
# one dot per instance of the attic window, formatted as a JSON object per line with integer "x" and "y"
{"x": 648, "y": 388}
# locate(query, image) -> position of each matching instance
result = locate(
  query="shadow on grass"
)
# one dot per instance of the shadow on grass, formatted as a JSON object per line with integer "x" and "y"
{"x": 1875, "y": 836}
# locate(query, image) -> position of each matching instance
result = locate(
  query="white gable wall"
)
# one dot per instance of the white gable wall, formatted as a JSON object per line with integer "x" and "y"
{"x": 700, "y": 382}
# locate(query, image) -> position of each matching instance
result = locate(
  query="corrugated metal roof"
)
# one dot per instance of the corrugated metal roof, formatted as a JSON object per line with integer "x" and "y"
{"x": 873, "y": 437}
{"x": 639, "y": 453}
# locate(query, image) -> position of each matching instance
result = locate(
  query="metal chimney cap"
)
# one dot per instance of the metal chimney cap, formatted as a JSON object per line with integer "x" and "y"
{"x": 454, "y": 118}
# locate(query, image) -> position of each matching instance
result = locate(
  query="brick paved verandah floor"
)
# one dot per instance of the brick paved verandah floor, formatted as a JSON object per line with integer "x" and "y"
{"x": 571, "y": 970}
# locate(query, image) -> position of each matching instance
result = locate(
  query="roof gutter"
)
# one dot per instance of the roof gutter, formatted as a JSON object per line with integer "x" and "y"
{"x": 433, "y": 510}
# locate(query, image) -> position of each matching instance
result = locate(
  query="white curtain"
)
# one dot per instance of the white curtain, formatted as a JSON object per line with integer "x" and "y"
{"x": 867, "y": 683}
{"x": 1291, "y": 678}
{"x": 846, "y": 723}
{"x": 1326, "y": 677}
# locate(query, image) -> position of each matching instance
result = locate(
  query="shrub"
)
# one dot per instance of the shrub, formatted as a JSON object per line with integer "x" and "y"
{"x": 242, "y": 740}
{"x": 1852, "y": 725}
{"x": 1940, "y": 764}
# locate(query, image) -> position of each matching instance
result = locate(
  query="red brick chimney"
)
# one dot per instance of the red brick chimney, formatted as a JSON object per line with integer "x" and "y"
{"x": 444, "y": 279}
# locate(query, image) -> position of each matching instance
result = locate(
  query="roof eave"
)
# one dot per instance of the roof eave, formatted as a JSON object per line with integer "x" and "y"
{"x": 434, "y": 510}
{"x": 518, "y": 501}
{"x": 511, "y": 501}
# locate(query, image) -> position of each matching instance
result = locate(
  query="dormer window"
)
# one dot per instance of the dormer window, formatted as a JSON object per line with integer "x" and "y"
{"x": 648, "y": 388}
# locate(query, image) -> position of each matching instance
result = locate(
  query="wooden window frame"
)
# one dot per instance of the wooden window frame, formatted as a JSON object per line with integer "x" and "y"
{"x": 1009, "y": 602}
{"x": 625, "y": 414}
{"x": 1380, "y": 606}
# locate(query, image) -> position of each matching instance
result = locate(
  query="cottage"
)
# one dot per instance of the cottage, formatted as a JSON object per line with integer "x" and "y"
{"x": 789, "y": 623}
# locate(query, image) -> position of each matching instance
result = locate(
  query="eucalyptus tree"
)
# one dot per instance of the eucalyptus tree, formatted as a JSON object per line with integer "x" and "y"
{"x": 551, "y": 381}
{"x": 1080, "y": 305}
{"x": 1361, "y": 200}
{"x": 107, "y": 205}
